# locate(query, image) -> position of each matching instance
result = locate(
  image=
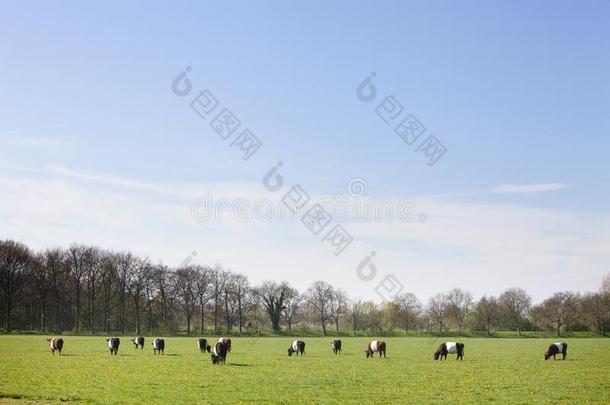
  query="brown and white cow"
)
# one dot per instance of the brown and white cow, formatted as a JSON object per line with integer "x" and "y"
{"x": 227, "y": 341}
{"x": 336, "y": 344}
{"x": 450, "y": 347}
{"x": 375, "y": 346}
{"x": 555, "y": 349}
{"x": 204, "y": 346}
{"x": 298, "y": 346}
{"x": 219, "y": 353}
{"x": 113, "y": 345}
{"x": 158, "y": 346}
{"x": 56, "y": 344}
{"x": 138, "y": 342}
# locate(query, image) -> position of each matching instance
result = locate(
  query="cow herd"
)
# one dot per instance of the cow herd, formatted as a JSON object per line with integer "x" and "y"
{"x": 222, "y": 347}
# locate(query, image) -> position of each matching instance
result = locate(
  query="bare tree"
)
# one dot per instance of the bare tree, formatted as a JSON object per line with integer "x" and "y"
{"x": 40, "y": 285}
{"x": 93, "y": 261}
{"x": 56, "y": 268}
{"x": 596, "y": 308}
{"x": 437, "y": 310}
{"x": 486, "y": 312}
{"x": 319, "y": 297}
{"x": 409, "y": 308}
{"x": 228, "y": 299}
{"x": 560, "y": 310}
{"x": 186, "y": 279}
{"x": 273, "y": 297}
{"x": 514, "y": 304}
{"x": 217, "y": 279}
{"x": 459, "y": 305}
{"x": 162, "y": 279}
{"x": 108, "y": 280}
{"x": 77, "y": 257}
{"x": 241, "y": 287}
{"x": 337, "y": 305}
{"x": 125, "y": 265}
{"x": 202, "y": 287}
{"x": 605, "y": 286}
{"x": 293, "y": 304}
{"x": 135, "y": 285}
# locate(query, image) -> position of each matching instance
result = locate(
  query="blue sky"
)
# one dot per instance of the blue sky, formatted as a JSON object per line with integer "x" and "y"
{"x": 518, "y": 92}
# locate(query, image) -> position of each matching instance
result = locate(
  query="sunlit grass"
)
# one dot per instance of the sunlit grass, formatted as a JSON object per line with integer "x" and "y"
{"x": 504, "y": 370}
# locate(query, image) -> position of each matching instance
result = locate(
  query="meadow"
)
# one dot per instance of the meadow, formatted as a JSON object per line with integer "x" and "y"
{"x": 259, "y": 369}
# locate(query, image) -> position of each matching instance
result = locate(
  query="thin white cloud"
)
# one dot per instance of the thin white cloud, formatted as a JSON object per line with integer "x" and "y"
{"x": 482, "y": 247}
{"x": 528, "y": 188}
{"x": 113, "y": 180}
{"x": 30, "y": 141}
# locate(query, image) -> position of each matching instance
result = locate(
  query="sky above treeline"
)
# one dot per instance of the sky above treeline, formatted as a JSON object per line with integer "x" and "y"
{"x": 483, "y": 126}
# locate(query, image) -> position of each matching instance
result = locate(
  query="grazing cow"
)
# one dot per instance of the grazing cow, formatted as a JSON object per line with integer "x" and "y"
{"x": 113, "y": 345}
{"x": 298, "y": 346}
{"x": 375, "y": 346}
{"x": 227, "y": 341}
{"x": 336, "y": 346}
{"x": 56, "y": 344}
{"x": 219, "y": 354}
{"x": 450, "y": 347}
{"x": 138, "y": 341}
{"x": 555, "y": 349}
{"x": 158, "y": 346}
{"x": 204, "y": 346}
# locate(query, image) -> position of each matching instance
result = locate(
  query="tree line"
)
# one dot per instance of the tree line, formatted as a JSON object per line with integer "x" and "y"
{"x": 85, "y": 289}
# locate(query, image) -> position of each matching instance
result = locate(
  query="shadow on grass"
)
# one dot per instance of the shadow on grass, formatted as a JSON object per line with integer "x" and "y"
{"x": 173, "y": 355}
{"x": 240, "y": 365}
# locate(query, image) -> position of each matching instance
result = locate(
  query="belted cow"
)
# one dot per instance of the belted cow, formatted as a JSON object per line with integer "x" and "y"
{"x": 158, "y": 346}
{"x": 375, "y": 346}
{"x": 555, "y": 349}
{"x": 219, "y": 354}
{"x": 227, "y": 341}
{"x": 113, "y": 345}
{"x": 56, "y": 344}
{"x": 298, "y": 346}
{"x": 450, "y": 347}
{"x": 204, "y": 346}
{"x": 138, "y": 342}
{"x": 336, "y": 344}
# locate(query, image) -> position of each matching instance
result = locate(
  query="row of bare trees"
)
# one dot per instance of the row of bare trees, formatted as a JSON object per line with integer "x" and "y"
{"x": 84, "y": 289}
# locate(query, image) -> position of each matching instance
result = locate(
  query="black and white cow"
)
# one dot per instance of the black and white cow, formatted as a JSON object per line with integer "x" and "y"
{"x": 138, "y": 342}
{"x": 298, "y": 346}
{"x": 555, "y": 349}
{"x": 219, "y": 354}
{"x": 336, "y": 344}
{"x": 113, "y": 345}
{"x": 204, "y": 346}
{"x": 450, "y": 347}
{"x": 227, "y": 341}
{"x": 158, "y": 346}
{"x": 56, "y": 344}
{"x": 375, "y": 346}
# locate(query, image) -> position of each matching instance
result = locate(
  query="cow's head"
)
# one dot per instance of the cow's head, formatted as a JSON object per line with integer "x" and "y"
{"x": 546, "y": 355}
{"x": 437, "y": 355}
{"x": 290, "y": 351}
{"x": 368, "y": 353}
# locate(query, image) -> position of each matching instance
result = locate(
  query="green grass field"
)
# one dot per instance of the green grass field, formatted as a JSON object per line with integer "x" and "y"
{"x": 501, "y": 370}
